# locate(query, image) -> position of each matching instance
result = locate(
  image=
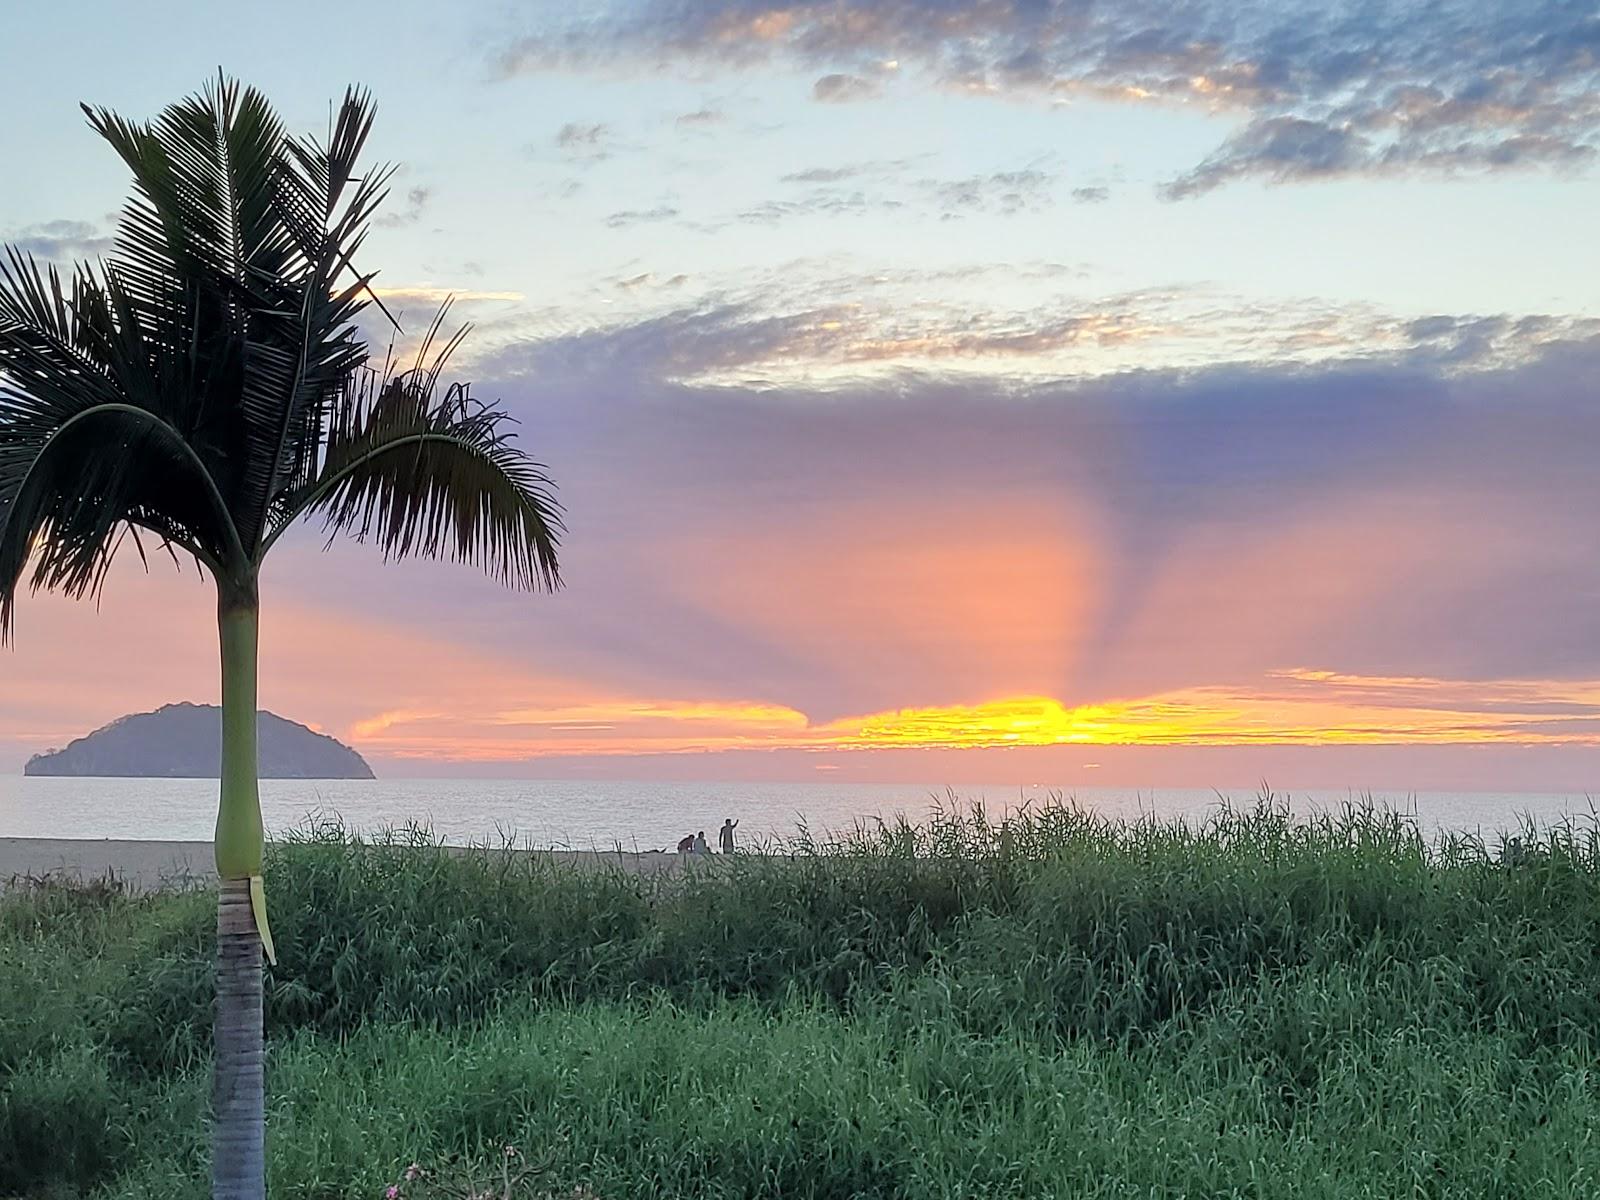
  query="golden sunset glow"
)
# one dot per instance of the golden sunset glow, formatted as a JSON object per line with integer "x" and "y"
{"x": 1000, "y": 634}
{"x": 1291, "y": 707}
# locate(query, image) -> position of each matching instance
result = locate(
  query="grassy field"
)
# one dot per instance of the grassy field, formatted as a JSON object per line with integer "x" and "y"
{"x": 1055, "y": 1006}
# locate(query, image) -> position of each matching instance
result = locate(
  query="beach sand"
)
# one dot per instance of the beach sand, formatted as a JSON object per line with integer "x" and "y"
{"x": 147, "y": 865}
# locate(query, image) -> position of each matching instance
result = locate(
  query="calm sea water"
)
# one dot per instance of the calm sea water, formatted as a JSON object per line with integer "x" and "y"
{"x": 631, "y": 815}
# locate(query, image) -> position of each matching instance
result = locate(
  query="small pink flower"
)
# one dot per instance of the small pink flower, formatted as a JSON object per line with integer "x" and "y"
{"x": 511, "y": 1151}
{"x": 414, "y": 1171}
{"x": 393, "y": 1193}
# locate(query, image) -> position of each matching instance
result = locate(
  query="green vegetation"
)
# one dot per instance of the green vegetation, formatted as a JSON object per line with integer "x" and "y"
{"x": 1054, "y": 1006}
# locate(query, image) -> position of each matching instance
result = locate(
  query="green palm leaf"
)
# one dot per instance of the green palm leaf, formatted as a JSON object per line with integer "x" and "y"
{"x": 208, "y": 383}
{"x": 421, "y": 470}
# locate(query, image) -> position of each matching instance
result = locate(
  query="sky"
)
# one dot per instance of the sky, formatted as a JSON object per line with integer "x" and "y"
{"x": 1040, "y": 391}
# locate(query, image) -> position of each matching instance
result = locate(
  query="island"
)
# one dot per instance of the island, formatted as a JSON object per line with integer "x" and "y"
{"x": 184, "y": 741}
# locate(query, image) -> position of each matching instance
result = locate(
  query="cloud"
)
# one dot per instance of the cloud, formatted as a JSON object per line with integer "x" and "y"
{"x": 62, "y": 242}
{"x": 416, "y": 203}
{"x": 1091, "y": 195}
{"x": 577, "y": 136}
{"x": 1451, "y": 341}
{"x": 825, "y": 197}
{"x": 1295, "y": 707}
{"x": 1004, "y": 192}
{"x": 1221, "y": 554}
{"x": 650, "y": 280}
{"x": 1279, "y": 149}
{"x": 821, "y": 202}
{"x": 428, "y": 294}
{"x": 954, "y": 537}
{"x": 1319, "y": 90}
{"x": 789, "y": 330}
{"x": 848, "y": 171}
{"x": 564, "y": 189}
{"x": 732, "y": 341}
{"x": 586, "y": 142}
{"x": 828, "y": 174}
{"x": 1282, "y": 708}
{"x": 630, "y": 217}
{"x": 703, "y": 117}
{"x": 844, "y": 89}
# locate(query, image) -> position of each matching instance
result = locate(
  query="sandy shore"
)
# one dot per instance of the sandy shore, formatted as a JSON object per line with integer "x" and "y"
{"x": 146, "y": 865}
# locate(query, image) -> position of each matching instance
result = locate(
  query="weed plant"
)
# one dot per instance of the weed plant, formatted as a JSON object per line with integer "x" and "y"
{"x": 1054, "y": 1004}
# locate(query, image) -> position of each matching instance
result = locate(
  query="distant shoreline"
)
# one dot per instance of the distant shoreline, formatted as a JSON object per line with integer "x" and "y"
{"x": 152, "y": 865}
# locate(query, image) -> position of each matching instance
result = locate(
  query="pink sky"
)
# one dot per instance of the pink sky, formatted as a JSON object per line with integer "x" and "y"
{"x": 1142, "y": 395}
{"x": 990, "y": 593}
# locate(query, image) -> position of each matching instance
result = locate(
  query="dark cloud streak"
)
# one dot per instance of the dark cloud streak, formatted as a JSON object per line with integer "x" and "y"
{"x": 844, "y": 89}
{"x": 416, "y": 203}
{"x": 628, "y": 218}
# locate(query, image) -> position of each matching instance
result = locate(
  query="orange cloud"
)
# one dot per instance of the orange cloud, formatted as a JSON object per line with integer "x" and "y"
{"x": 1293, "y": 707}
{"x": 1214, "y": 716}
{"x": 987, "y": 596}
{"x": 369, "y": 728}
{"x": 624, "y": 725}
{"x": 978, "y": 611}
{"x": 1290, "y": 708}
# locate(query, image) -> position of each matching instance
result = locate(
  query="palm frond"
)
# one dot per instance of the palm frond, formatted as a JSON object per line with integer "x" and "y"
{"x": 85, "y": 450}
{"x": 106, "y": 473}
{"x": 435, "y": 474}
{"x": 231, "y": 249}
{"x": 208, "y": 382}
{"x": 292, "y": 396}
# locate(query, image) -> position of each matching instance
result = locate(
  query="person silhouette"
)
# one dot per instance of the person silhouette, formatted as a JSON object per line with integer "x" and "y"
{"x": 700, "y": 846}
{"x": 725, "y": 835}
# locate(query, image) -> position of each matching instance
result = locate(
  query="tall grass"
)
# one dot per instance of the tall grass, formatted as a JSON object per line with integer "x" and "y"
{"x": 1054, "y": 1004}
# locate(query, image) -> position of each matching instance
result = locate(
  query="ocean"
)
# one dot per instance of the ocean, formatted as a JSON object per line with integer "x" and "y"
{"x": 642, "y": 815}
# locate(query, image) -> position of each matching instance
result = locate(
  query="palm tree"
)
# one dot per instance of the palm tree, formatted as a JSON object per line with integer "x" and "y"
{"x": 206, "y": 388}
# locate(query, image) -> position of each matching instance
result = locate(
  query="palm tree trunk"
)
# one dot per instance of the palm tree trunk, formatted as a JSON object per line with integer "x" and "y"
{"x": 238, "y": 1104}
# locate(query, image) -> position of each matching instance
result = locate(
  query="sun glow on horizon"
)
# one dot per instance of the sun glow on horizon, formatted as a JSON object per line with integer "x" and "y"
{"x": 1290, "y": 707}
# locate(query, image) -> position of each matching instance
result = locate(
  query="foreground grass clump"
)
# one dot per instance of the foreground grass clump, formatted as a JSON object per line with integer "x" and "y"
{"x": 1055, "y": 1005}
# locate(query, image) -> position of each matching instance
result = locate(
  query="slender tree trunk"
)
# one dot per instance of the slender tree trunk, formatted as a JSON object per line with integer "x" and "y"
{"x": 238, "y": 1152}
